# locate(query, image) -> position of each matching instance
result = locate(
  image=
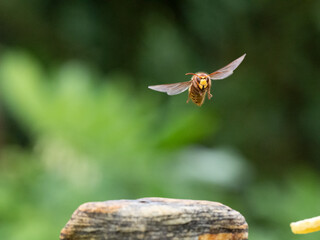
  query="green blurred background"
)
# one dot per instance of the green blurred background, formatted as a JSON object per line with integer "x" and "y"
{"x": 78, "y": 123}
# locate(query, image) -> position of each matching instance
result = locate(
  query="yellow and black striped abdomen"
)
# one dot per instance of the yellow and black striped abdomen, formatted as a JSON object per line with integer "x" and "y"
{"x": 197, "y": 95}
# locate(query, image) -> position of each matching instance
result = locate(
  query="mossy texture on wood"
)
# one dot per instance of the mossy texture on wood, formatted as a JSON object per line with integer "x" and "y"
{"x": 155, "y": 218}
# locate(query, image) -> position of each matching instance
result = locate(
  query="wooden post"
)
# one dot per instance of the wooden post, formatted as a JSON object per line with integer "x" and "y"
{"x": 155, "y": 218}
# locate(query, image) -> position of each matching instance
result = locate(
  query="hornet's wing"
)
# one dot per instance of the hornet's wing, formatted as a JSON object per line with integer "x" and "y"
{"x": 227, "y": 70}
{"x": 173, "y": 88}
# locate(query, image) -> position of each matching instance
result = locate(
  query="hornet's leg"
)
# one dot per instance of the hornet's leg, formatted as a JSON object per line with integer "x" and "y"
{"x": 189, "y": 91}
{"x": 209, "y": 88}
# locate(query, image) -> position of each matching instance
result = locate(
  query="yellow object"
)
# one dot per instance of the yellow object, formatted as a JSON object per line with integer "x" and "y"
{"x": 306, "y": 226}
{"x": 203, "y": 84}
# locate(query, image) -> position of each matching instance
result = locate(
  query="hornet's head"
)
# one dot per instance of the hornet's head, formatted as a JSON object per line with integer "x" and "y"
{"x": 202, "y": 79}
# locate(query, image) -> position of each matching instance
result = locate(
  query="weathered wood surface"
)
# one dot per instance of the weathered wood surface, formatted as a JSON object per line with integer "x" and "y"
{"x": 155, "y": 218}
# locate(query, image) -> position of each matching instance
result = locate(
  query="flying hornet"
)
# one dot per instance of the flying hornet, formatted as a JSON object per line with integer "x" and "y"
{"x": 200, "y": 83}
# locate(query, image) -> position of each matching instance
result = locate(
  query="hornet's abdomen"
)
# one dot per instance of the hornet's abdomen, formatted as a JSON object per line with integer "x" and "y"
{"x": 197, "y": 95}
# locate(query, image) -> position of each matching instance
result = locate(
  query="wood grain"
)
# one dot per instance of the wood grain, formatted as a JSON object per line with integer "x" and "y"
{"x": 155, "y": 218}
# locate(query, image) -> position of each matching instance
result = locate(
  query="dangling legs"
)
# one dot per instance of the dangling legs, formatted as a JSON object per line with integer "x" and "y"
{"x": 209, "y": 88}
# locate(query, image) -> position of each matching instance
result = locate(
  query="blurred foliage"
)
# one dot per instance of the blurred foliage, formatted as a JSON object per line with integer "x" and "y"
{"x": 78, "y": 124}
